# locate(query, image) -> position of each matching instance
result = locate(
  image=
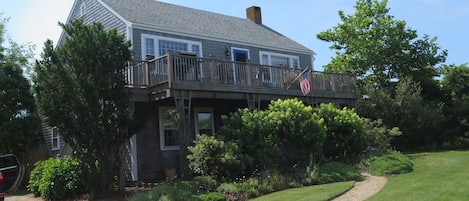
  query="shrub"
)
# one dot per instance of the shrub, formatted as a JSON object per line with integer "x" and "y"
{"x": 57, "y": 178}
{"x": 378, "y": 136}
{"x": 345, "y": 136}
{"x": 164, "y": 193}
{"x": 204, "y": 184}
{"x": 35, "y": 177}
{"x": 228, "y": 187}
{"x": 391, "y": 163}
{"x": 266, "y": 138}
{"x": 213, "y": 196}
{"x": 256, "y": 141}
{"x": 271, "y": 181}
{"x": 336, "y": 172}
{"x": 213, "y": 157}
{"x": 300, "y": 131}
{"x": 197, "y": 186}
{"x": 249, "y": 187}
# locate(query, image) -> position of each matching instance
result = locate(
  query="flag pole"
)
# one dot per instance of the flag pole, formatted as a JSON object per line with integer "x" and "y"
{"x": 298, "y": 76}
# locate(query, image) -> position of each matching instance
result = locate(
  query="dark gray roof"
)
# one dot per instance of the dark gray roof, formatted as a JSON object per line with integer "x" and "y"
{"x": 164, "y": 16}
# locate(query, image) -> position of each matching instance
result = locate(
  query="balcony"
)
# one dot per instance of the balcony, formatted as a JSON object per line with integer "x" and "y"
{"x": 164, "y": 76}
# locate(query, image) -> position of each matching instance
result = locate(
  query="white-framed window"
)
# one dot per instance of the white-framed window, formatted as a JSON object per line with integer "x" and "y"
{"x": 155, "y": 46}
{"x": 56, "y": 139}
{"x": 82, "y": 9}
{"x": 204, "y": 123}
{"x": 277, "y": 59}
{"x": 169, "y": 119}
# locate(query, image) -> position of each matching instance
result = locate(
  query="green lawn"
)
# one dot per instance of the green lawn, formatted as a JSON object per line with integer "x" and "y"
{"x": 437, "y": 176}
{"x": 310, "y": 193}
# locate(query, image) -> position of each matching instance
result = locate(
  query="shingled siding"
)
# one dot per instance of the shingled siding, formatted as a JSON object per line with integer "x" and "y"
{"x": 46, "y": 141}
{"x": 96, "y": 12}
{"x": 152, "y": 161}
{"x": 215, "y": 48}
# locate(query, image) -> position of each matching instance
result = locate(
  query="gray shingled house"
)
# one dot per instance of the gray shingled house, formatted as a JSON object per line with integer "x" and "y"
{"x": 203, "y": 65}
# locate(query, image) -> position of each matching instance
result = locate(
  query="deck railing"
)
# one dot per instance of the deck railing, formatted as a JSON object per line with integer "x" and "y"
{"x": 172, "y": 68}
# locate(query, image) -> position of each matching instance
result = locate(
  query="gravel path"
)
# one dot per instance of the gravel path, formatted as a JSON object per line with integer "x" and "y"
{"x": 29, "y": 197}
{"x": 364, "y": 189}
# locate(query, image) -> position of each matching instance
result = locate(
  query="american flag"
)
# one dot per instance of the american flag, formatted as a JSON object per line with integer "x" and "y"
{"x": 304, "y": 83}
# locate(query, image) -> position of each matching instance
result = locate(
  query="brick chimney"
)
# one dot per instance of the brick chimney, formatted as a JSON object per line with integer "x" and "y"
{"x": 254, "y": 14}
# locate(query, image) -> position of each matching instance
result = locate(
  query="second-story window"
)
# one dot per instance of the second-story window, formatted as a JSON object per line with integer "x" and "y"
{"x": 154, "y": 46}
{"x": 174, "y": 46}
{"x": 276, "y": 59}
{"x": 149, "y": 48}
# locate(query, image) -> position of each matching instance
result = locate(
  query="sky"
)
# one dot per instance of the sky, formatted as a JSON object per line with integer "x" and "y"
{"x": 35, "y": 21}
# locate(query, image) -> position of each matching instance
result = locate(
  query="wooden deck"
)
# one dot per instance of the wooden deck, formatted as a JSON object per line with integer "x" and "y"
{"x": 170, "y": 75}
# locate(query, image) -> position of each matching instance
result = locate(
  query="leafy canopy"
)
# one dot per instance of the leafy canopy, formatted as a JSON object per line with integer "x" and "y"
{"x": 374, "y": 46}
{"x": 18, "y": 122}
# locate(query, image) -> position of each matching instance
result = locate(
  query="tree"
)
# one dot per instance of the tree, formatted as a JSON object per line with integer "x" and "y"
{"x": 456, "y": 87}
{"x": 18, "y": 121}
{"x": 376, "y": 48}
{"x": 404, "y": 107}
{"x": 80, "y": 88}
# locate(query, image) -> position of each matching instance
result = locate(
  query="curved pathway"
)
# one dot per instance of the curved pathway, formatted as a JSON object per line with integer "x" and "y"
{"x": 364, "y": 189}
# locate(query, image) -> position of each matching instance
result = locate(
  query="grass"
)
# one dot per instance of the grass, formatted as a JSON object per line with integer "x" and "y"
{"x": 437, "y": 176}
{"x": 316, "y": 192}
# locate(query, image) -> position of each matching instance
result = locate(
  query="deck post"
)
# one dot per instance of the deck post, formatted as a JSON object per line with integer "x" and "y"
{"x": 170, "y": 67}
{"x": 248, "y": 71}
{"x": 212, "y": 69}
{"x": 147, "y": 73}
{"x": 282, "y": 82}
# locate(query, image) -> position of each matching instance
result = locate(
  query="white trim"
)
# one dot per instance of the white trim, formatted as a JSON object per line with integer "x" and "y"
{"x": 62, "y": 34}
{"x": 196, "y": 119}
{"x": 120, "y": 17}
{"x": 130, "y": 35}
{"x": 133, "y": 157}
{"x": 157, "y": 41}
{"x": 242, "y": 49}
{"x": 269, "y": 54}
{"x": 161, "y": 131}
{"x": 236, "y": 76}
{"x": 208, "y": 37}
{"x": 58, "y": 137}
{"x": 125, "y": 21}
{"x": 82, "y": 9}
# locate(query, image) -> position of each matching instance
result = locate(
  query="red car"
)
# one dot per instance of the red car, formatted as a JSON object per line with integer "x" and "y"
{"x": 10, "y": 172}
